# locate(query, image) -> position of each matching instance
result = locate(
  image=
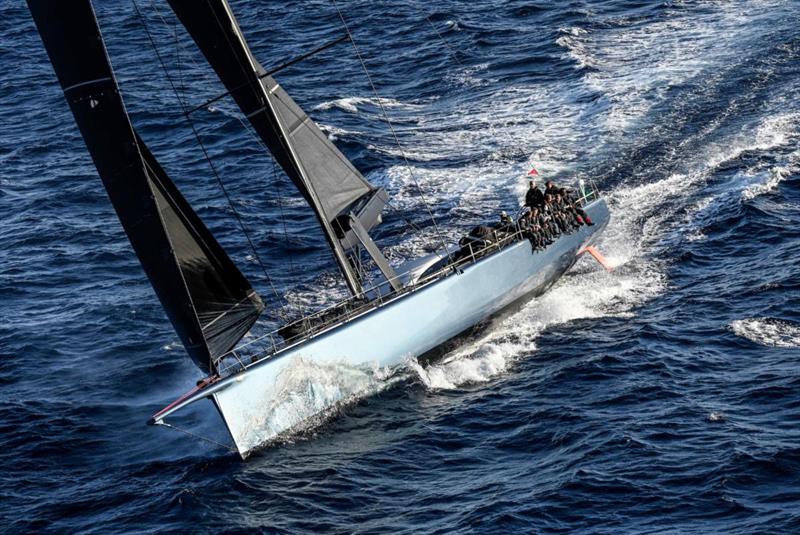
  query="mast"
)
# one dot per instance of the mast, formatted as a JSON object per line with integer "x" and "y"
{"x": 207, "y": 299}
{"x": 342, "y": 199}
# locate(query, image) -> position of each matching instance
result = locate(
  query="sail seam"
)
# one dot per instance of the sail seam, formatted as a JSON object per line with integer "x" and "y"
{"x": 254, "y": 113}
{"x": 247, "y": 298}
{"x": 95, "y": 81}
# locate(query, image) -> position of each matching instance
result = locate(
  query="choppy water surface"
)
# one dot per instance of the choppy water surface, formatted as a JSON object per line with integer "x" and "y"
{"x": 661, "y": 396}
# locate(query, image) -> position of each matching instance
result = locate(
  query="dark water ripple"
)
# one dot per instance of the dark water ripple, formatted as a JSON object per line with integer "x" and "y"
{"x": 662, "y": 397}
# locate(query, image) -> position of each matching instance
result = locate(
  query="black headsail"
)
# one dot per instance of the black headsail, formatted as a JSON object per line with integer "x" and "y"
{"x": 209, "y": 301}
{"x": 327, "y": 180}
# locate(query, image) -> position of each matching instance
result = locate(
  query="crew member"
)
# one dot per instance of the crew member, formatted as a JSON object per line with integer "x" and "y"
{"x": 573, "y": 201}
{"x": 534, "y": 198}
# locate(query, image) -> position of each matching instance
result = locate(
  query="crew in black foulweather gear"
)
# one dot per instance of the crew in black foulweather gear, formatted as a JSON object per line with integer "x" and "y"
{"x": 550, "y": 188}
{"x": 556, "y": 216}
{"x": 477, "y": 240}
{"x": 534, "y": 198}
{"x": 552, "y": 213}
{"x": 539, "y": 220}
{"x": 482, "y": 232}
{"x": 573, "y": 220}
{"x": 573, "y": 201}
{"x": 534, "y": 231}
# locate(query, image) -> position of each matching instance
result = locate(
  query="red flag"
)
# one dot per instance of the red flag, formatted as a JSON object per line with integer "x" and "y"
{"x": 533, "y": 171}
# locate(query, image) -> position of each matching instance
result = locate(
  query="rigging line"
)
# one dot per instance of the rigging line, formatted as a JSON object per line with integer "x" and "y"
{"x": 441, "y": 37}
{"x": 251, "y": 130}
{"x": 405, "y": 219}
{"x": 199, "y": 73}
{"x": 199, "y": 437}
{"x": 178, "y": 60}
{"x": 270, "y": 72}
{"x": 205, "y": 152}
{"x": 246, "y": 125}
{"x": 394, "y": 133}
{"x": 235, "y": 115}
{"x": 282, "y": 138}
{"x": 292, "y": 272}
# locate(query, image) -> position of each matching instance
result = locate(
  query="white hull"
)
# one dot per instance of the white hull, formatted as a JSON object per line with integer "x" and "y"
{"x": 400, "y": 329}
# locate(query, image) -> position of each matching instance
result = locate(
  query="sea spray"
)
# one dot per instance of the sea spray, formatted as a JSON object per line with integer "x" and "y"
{"x": 307, "y": 393}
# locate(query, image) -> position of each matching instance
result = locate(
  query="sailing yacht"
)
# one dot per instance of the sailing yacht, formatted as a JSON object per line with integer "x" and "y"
{"x": 412, "y": 309}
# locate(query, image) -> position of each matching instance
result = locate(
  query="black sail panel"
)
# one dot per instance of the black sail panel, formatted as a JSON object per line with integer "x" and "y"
{"x": 224, "y": 302}
{"x": 208, "y": 300}
{"x": 334, "y": 179}
{"x": 318, "y": 169}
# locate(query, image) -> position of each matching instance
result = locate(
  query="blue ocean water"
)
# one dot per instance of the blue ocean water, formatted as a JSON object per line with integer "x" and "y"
{"x": 660, "y": 397}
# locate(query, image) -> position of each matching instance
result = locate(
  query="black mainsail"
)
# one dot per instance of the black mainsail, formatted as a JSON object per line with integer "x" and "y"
{"x": 331, "y": 185}
{"x": 210, "y": 303}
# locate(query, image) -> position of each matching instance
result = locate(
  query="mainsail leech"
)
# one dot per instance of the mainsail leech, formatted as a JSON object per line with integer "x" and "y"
{"x": 210, "y": 303}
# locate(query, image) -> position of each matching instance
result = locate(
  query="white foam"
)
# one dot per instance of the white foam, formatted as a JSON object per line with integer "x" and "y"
{"x": 334, "y": 132}
{"x": 589, "y": 294}
{"x": 772, "y": 177}
{"x": 768, "y": 331}
{"x": 715, "y": 416}
{"x": 307, "y": 393}
{"x": 632, "y": 69}
{"x": 351, "y": 104}
{"x": 489, "y": 362}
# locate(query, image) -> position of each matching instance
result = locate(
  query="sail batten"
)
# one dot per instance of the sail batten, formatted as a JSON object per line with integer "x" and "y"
{"x": 208, "y": 300}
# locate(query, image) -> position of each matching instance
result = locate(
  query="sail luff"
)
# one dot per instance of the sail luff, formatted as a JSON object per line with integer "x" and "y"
{"x": 333, "y": 241}
{"x": 325, "y": 221}
{"x": 209, "y": 302}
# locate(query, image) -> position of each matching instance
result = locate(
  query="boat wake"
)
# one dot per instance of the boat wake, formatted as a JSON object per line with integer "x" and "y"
{"x": 586, "y": 294}
{"x": 671, "y": 204}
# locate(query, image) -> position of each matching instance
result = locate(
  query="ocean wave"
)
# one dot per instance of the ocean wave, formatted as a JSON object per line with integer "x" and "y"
{"x": 769, "y": 332}
{"x": 773, "y": 176}
{"x": 576, "y": 48}
{"x": 351, "y": 104}
{"x": 334, "y": 132}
